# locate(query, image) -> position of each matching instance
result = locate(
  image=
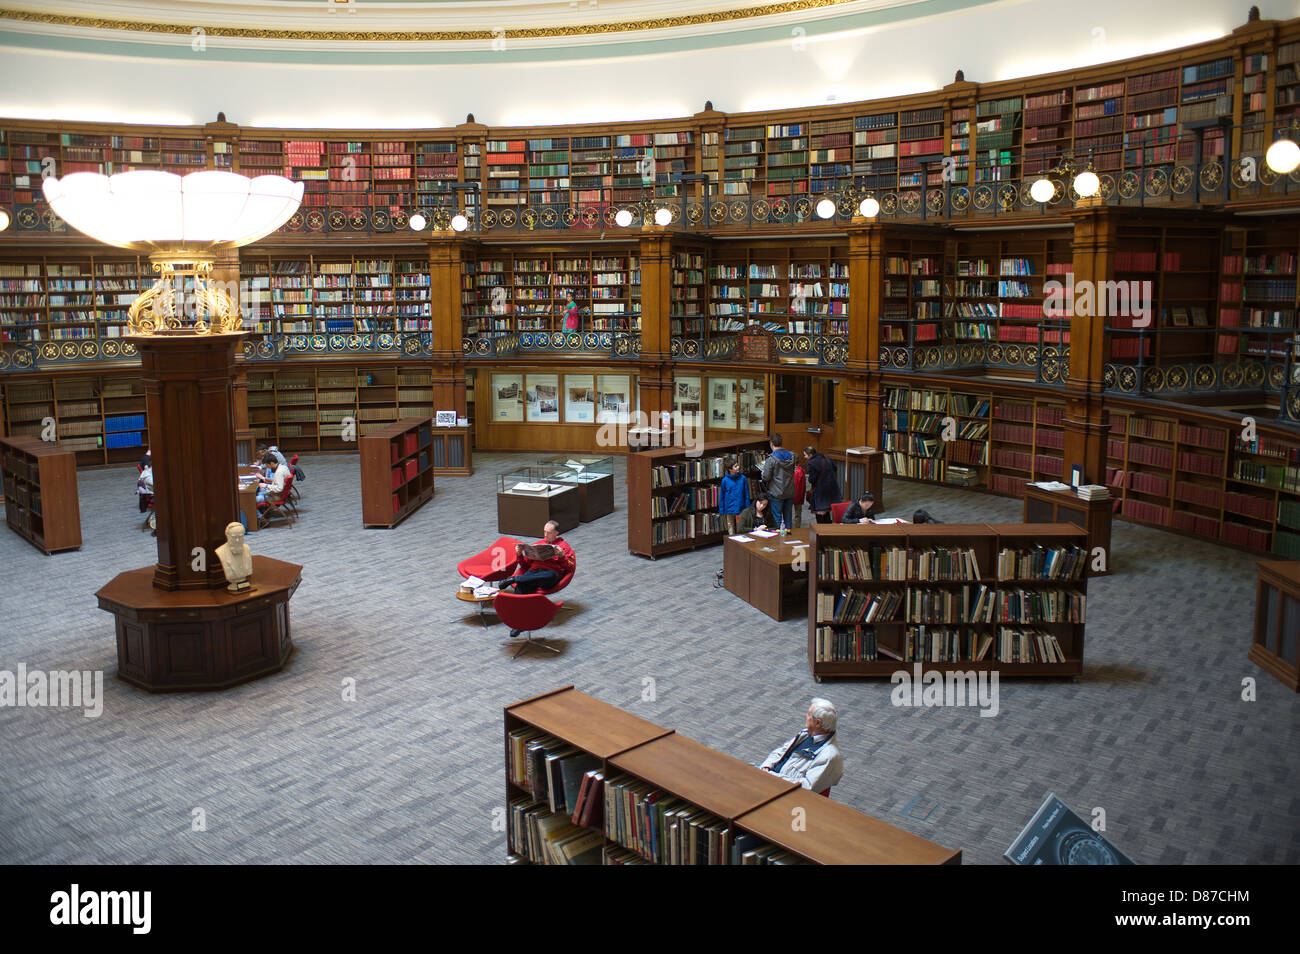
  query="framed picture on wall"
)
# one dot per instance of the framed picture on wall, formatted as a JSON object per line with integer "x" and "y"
{"x": 752, "y": 406}
{"x": 722, "y": 404}
{"x": 613, "y": 398}
{"x": 686, "y": 401}
{"x": 508, "y": 397}
{"x": 542, "y": 399}
{"x": 579, "y": 399}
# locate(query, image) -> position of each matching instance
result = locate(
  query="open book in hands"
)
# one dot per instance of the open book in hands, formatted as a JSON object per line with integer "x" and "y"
{"x": 538, "y": 551}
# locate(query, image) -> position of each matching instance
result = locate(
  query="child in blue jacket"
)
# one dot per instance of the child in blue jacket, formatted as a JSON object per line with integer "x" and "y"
{"x": 733, "y": 494}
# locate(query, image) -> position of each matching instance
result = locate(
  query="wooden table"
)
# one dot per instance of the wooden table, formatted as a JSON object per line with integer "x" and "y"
{"x": 481, "y": 601}
{"x": 1065, "y": 506}
{"x": 526, "y": 514}
{"x": 762, "y": 573}
{"x": 248, "y": 506}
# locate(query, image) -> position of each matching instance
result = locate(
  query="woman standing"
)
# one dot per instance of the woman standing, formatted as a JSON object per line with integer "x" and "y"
{"x": 823, "y": 483}
{"x": 572, "y": 321}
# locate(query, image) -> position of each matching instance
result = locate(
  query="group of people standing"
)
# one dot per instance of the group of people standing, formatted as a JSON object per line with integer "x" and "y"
{"x": 787, "y": 485}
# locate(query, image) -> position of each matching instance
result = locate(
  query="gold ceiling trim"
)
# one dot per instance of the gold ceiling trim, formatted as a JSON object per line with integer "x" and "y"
{"x": 409, "y": 36}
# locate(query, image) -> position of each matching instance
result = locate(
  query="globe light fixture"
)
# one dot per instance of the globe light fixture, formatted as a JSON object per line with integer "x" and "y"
{"x": 1087, "y": 184}
{"x": 825, "y": 208}
{"x": 1283, "y": 156}
{"x": 181, "y": 223}
{"x": 1042, "y": 190}
{"x": 663, "y": 216}
{"x": 622, "y": 218}
{"x": 459, "y": 222}
{"x": 869, "y": 208}
{"x": 4, "y": 220}
{"x": 418, "y": 222}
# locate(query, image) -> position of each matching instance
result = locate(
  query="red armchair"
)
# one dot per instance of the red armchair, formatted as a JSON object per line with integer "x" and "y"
{"x": 527, "y": 613}
{"x": 495, "y": 563}
{"x": 838, "y": 509}
{"x": 280, "y": 507}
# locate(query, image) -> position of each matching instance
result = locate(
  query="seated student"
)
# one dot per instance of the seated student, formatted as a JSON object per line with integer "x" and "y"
{"x": 275, "y": 452}
{"x": 533, "y": 575}
{"x": 275, "y": 486}
{"x": 811, "y": 758}
{"x": 144, "y": 487}
{"x": 756, "y": 516}
{"x": 147, "y": 459}
{"x": 862, "y": 510}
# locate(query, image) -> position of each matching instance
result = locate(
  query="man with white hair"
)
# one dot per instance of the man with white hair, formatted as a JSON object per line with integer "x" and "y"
{"x": 811, "y": 757}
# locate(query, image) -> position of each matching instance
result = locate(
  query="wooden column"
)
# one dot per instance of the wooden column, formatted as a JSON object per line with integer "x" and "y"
{"x": 446, "y": 255}
{"x": 226, "y": 271}
{"x": 866, "y": 290}
{"x": 1087, "y": 424}
{"x": 189, "y": 396}
{"x": 655, "y": 370}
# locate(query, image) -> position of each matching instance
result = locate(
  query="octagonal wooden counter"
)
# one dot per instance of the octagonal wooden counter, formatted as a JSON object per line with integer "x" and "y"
{"x": 169, "y": 641}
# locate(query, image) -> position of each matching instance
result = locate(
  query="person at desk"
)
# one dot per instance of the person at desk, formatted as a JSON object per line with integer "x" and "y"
{"x": 533, "y": 575}
{"x": 862, "y": 510}
{"x": 811, "y": 758}
{"x": 275, "y": 486}
{"x": 756, "y": 516}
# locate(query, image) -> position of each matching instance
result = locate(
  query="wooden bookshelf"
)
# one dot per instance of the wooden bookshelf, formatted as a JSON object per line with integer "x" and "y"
{"x": 40, "y": 493}
{"x": 709, "y": 792}
{"x": 396, "y": 472}
{"x": 656, "y": 478}
{"x": 1276, "y": 644}
{"x": 923, "y": 625}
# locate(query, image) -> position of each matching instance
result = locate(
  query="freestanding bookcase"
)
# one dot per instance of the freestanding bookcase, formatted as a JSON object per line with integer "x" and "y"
{"x": 396, "y": 472}
{"x": 40, "y": 493}
{"x": 652, "y": 771}
{"x": 1276, "y": 646}
{"x": 934, "y": 619}
{"x": 672, "y": 497}
{"x": 1065, "y": 506}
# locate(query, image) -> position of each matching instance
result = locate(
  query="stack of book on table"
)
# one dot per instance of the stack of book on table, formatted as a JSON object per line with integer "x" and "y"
{"x": 1094, "y": 492}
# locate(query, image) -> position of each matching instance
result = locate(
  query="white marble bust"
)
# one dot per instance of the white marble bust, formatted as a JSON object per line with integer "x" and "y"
{"x": 236, "y": 558}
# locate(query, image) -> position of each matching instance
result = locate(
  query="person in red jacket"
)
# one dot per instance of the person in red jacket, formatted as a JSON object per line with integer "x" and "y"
{"x": 533, "y": 575}
{"x": 799, "y": 478}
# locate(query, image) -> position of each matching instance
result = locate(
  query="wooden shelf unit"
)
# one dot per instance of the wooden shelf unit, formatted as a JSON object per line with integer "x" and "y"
{"x": 647, "y": 535}
{"x": 987, "y": 541}
{"x": 740, "y": 799}
{"x": 396, "y": 472}
{"x": 40, "y": 493}
{"x": 1276, "y": 644}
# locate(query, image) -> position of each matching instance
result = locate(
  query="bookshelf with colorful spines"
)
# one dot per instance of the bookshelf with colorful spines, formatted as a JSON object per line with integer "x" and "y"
{"x": 23, "y": 302}
{"x": 1048, "y": 129}
{"x": 1100, "y": 102}
{"x": 505, "y": 167}
{"x": 493, "y": 308}
{"x": 40, "y": 493}
{"x": 332, "y": 310}
{"x": 830, "y": 156}
{"x": 1149, "y": 120}
{"x": 787, "y": 159}
{"x": 411, "y": 294}
{"x": 997, "y": 139}
{"x": 675, "y": 495}
{"x": 959, "y": 143}
{"x": 533, "y": 295}
{"x": 437, "y": 163}
{"x": 373, "y": 296}
{"x": 255, "y": 276}
{"x": 921, "y": 136}
{"x": 80, "y": 416}
{"x": 1258, "y": 291}
{"x": 690, "y": 293}
{"x": 1285, "y": 101}
{"x": 335, "y": 399}
{"x": 728, "y": 308}
{"x": 589, "y": 783}
{"x": 591, "y": 177}
{"x": 633, "y": 167}
{"x": 930, "y": 431}
{"x": 1205, "y": 103}
{"x": 548, "y": 172}
{"x": 1010, "y": 597}
{"x": 674, "y": 156}
{"x": 876, "y": 151}
{"x": 818, "y": 287}
{"x": 70, "y": 297}
{"x": 291, "y": 297}
{"x": 396, "y": 470}
{"x": 376, "y": 398}
{"x": 912, "y": 308}
{"x": 743, "y": 153}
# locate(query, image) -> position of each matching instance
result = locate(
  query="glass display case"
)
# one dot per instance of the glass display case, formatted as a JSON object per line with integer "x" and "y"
{"x": 592, "y": 476}
{"x": 527, "y": 499}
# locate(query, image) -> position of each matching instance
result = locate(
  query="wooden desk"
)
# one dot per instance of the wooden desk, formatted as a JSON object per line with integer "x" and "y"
{"x": 526, "y": 514}
{"x": 762, "y": 573}
{"x": 248, "y": 506}
{"x": 1064, "y": 506}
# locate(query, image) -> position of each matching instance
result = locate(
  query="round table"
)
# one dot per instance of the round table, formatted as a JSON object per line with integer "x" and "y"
{"x": 481, "y": 602}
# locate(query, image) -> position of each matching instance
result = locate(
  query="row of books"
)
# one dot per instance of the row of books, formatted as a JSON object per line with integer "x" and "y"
{"x": 1041, "y": 606}
{"x": 1043, "y": 563}
{"x": 696, "y": 498}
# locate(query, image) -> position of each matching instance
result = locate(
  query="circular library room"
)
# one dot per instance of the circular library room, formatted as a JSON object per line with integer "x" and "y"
{"x": 650, "y": 432}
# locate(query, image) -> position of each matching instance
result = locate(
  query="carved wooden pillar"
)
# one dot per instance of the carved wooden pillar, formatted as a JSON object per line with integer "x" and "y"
{"x": 1087, "y": 424}
{"x": 866, "y": 290}
{"x": 446, "y": 254}
{"x": 655, "y": 370}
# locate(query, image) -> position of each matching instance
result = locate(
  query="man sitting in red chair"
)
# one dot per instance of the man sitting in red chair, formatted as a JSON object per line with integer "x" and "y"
{"x": 542, "y": 572}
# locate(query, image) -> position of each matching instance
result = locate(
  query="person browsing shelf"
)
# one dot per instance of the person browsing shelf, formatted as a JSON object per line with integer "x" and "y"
{"x": 273, "y": 487}
{"x": 572, "y": 313}
{"x": 811, "y": 758}
{"x": 778, "y": 481}
{"x": 733, "y": 494}
{"x": 531, "y": 574}
{"x": 800, "y": 485}
{"x": 862, "y": 510}
{"x": 823, "y": 484}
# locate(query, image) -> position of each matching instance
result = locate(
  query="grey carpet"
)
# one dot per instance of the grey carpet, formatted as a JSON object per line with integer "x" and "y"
{"x": 1155, "y": 733}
